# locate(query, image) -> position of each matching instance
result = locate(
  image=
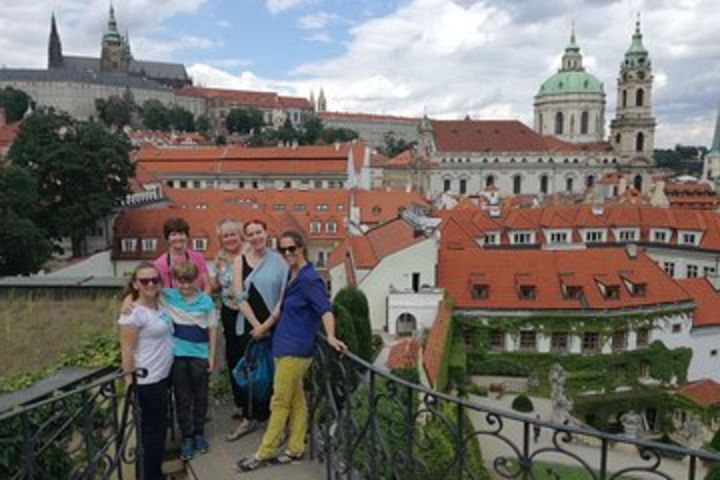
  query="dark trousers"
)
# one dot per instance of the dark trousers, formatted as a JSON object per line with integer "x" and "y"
{"x": 153, "y": 400}
{"x": 235, "y": 346}
{"x": 190, "y": 384}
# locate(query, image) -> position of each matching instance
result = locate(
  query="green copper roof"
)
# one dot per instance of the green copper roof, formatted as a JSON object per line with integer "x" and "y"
{"x": 570, "y": 82}
{"x": 636, "y": 46}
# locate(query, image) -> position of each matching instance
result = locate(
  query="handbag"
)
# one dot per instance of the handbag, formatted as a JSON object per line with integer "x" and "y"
{"x": 253, "y": 373}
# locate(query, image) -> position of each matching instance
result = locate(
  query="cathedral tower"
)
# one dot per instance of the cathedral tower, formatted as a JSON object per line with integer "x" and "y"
{"x": 632, "y": 132}
{"x": 55, "y": 57}
{"x": 114, "y": 54}
{"x": 571, "y": 103}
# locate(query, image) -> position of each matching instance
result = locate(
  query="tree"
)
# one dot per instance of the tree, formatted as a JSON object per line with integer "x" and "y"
{"x": 181, "y": 119}
{"x": 244, "y": 120}
{"x": 155, "y": 115}
{"x": 24, "y": 247}
{"x": 332, "y": 135}
{"x": 15, "y": 102}
{"x": 202, "y": 124}
{"x": 114, "y": 111}
{"x": 394, "y": 146}
{"x": 81, "y": 171}
{"x": 344, "y": 328}
{"x": 312, "y": 130}
{"x": 354, "y": 300}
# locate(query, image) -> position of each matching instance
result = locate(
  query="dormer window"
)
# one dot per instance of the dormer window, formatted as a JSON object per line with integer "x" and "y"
{"x": 480, "y": 291}
{"x": 558, "y": 237}
{"x": 573, "y": 292}
{"x": 627, "y": 235}
{"x": 688, "y": 238}
{"x": 527, "y": 292}
{"x": 612, "y": 292}
{"x": 491, "y": 239}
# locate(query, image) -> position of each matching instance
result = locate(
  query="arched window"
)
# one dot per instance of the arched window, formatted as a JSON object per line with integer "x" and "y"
{"x": 540, "y": 121}
{"x": 447, "y": 185}
{"x": 637, "y": 183}
{"x": 640, "y": 142}
{"x": 584, "y": 122}
{"x": 489, "y": 181}
{"x": 569, "y": 184}
{"x": 517, "y": 184}
{"x": 589, "y": 181}
{"x": 544, "y": 184}
{"x": 617, "y": 139}
{"x": 559, "y": 120}
{"x": 624, "y": 95}
{"x": 463, "y": 186}
{"x": 406, "y": 324}
{"x": 639, "y": 97}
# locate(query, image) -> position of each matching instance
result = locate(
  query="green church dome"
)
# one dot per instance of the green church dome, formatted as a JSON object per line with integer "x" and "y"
{"x": 570, "y": 82}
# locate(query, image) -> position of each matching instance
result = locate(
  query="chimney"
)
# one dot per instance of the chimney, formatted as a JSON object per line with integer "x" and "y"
{"x": 3, "y": 119}
{"x": 631, "y": 250}
{"x": 337, "y": 146}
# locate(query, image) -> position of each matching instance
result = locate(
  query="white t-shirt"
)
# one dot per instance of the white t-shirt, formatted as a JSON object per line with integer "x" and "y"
{"x": 154, "y": 348}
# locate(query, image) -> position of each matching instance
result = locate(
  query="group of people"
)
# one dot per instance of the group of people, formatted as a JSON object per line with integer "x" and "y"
{"x": 168, "y": 335}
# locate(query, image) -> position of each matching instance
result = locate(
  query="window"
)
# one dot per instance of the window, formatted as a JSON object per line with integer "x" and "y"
{"x": 594, "y": 236}
{"x": 331, "y": 227}
{"x": 544, "y": 184}
{"x": 480, "y": 290}
{"x": 688, "y": 238}
{"x": 318, "y": 184}
{"x": 321, "y": 207}
{"x": 489, "y": 181}
{"x": 619, "y": 341}
{"x": 591, "y": 342}
{"x": 559, "y": 120}
{"x": 627, "y": 235}
{"x": 624, "y": 99}
{"x": 637, "y": 289}
{"x": 299, "y": 207}
{"x": 463, "y": 186}
{"x": 669, "y": 268}
{"x": 521, "y": 238}
{"x": 491, "y": 239}
{"x": 526, "y": 292}
{"x": 659, "y": 236}
{"x": 416, "y": 282}
{"x": 713, "y": 353}
{"x": 447, "y": 184}
{"x": 644, "y": 370}
{"x": 643, "y": 337}
{"x": 691, "y": 271}
{"x": 517, "y": 184}
{"x": 149, "y": 244}
{"x": 559, "y": 342}
{"x": 528, "y": 341}
{"x": 321, "y": 258}
{"x": 569, "y": 185}
{"x": 589, "y": 181}
{"x": 584, "y": 121}
{"x": 128, "y": 244}
{"x": 315, "y": 227}
{"x": 573, "y": 292}
{"x": 612, "y": 292}
{"x": 639, "y": 142}
{"x": 558, "y": 237}
{"x": 677, "y": 328}
{"x": 340, "y": 207}
{"x": 200, "y": 244}
{"x": 497, "y": 340}
{"x": 639, "y": 97}
{"x": 279, "y": 207}
{"x": 708, "y": 271}
{"x": 288, "y": 185}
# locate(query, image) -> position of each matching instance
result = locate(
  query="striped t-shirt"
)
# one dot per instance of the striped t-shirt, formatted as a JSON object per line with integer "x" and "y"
{"x": 191, "y": 319}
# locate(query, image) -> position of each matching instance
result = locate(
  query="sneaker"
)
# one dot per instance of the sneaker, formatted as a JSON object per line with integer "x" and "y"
{"x": 201, "y": 443}
{"x": 187, "y": 449}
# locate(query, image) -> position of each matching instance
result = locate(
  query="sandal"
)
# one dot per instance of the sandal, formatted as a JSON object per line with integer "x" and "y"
{"x": 245, "y": 427}
{"x": 287, "y": 458}
{"x": 251, "y": 463}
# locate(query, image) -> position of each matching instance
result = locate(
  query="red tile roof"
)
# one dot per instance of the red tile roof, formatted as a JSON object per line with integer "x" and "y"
{"x": 707, "y": 301}
{"x": 378, "y": 206}
{"x": 499, "y": 136}
{"x": 543, "y": 269}
{"x": 247, "y": 98}
{"x": 705, "y": 392}
{"x": 403, "y": 355}
{"x": 436, "y": 343}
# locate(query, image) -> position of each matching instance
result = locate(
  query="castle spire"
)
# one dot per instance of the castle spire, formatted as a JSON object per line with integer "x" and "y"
{"x": 55, "y": 59}
{"x": 715, "y": 147}
{"x": 572, "y": 58}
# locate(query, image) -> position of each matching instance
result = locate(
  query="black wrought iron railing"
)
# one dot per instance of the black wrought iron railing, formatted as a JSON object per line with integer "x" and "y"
{"x": 87, "y": 431}
{"x": 367, "y": 423}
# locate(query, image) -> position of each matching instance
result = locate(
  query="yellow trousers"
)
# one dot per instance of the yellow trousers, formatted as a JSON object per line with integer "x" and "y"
{"x": 287, "y": 406}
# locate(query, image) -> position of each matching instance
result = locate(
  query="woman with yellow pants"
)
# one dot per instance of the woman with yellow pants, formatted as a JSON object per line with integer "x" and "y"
{"x": 305, "y": 304}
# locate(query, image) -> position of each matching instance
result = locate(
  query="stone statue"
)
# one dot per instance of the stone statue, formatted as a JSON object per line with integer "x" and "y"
{"x": 694, "y": 431}
{"x": 632, "y": 423}
{"x": 561, "y": 403}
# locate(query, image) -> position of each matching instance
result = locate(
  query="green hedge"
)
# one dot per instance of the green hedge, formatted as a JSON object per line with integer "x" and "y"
{"x": 522, "y": 403}
{"x": 356, "y": 303}
{"x": 599, "y": 410}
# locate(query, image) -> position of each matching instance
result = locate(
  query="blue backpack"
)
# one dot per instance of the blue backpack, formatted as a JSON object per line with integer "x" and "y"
{"x": 253, "y": 374}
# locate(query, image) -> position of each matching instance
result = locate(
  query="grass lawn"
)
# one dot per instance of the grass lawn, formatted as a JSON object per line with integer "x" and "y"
{"x": 34, "y": 333}
{"x": 556, "y": 471}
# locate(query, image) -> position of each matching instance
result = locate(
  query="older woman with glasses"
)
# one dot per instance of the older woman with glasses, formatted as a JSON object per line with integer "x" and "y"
{"x": 305, "y": 304}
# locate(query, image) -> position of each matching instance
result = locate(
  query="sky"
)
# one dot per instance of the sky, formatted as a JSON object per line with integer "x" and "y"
{"x": 446, "y": 58}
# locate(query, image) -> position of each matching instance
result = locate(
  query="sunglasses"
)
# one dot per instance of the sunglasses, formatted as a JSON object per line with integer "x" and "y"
{"x": 290, "y": 249}
{"x": 149, "y": 280}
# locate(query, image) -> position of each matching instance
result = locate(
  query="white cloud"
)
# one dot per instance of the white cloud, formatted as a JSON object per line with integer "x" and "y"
{"x": 277, "y": 6}
{"x": 318, "y": 20}
{"x": 322, "y": 37}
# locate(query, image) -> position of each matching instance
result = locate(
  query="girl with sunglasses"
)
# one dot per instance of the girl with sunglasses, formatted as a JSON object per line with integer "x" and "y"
{"x": 146, "y": 341}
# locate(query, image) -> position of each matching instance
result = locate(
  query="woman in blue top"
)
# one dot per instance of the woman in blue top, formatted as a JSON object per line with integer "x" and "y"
{"x": 305, "y": 304}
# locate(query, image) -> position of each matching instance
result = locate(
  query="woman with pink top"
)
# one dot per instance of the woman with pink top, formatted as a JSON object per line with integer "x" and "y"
{"x": 177, "y": 234}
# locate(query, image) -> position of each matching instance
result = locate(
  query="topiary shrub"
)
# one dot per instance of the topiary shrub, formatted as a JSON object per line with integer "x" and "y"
{"x": 344, "y": 327}
{"x": 522, "y": 403}
{"x": 356, "y": 303}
